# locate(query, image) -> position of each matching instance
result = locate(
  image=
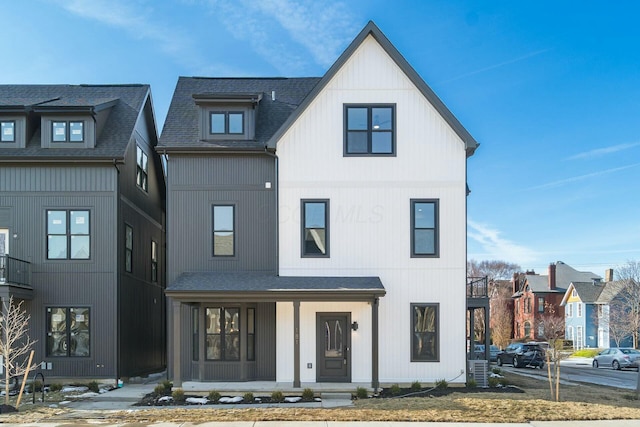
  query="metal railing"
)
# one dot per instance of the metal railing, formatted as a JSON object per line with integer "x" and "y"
{"x": 477, "y": 287}
{"x": 15, "y": 271}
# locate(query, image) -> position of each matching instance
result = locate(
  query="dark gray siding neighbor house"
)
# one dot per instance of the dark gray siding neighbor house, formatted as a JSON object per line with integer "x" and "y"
{"x": 82, "y": 214}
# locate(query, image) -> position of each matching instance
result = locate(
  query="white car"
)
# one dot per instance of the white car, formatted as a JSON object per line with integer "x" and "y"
{"x": 617, "y": 358}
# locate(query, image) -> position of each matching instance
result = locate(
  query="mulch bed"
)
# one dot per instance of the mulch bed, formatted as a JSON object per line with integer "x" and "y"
{"x": 152, "y": 399}
{"x": 437, "y": 392}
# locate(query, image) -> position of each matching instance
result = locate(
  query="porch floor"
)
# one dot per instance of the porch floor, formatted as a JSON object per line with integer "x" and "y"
{"x": 266, "y": 387}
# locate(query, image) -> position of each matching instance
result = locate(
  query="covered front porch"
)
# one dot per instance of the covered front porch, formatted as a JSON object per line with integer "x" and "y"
{"x": 245, "y": 299}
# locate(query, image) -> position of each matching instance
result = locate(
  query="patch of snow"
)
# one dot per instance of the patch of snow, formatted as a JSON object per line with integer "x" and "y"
{"x": 292, "y": 399}
{"x": 72, "y": 389}
{"x": 87, "y": 394}
{"x": 198, "y": 400}
{"x": 65, "y": 402}
{"x": 236, "y": 399}
{"x": 165, "y": 399}
{"x": 317, "y": 399}
{"x": 493, "y": 375}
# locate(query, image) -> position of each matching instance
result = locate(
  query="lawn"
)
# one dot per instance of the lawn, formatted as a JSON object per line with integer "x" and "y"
{"x": 578, "y": 402}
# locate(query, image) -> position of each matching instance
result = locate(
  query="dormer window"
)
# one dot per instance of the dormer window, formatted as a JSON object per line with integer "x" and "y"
{"x": 67, "y": 131}
{"x": 7, "y": 131}
{"x": 227, "y": 122}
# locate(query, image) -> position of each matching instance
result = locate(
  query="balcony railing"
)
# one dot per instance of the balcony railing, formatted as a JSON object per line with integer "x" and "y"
{"x": 477, "y": 287}
{"x": 14, "y": 271}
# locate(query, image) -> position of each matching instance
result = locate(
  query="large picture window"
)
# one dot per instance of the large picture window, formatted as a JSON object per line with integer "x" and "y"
{"x": 369, "y": 130}
{"x": 68, "y": 234}
{"x": 315, "y": 228}
{"x": 424, "y": 228}
{"x": 223, "y": 230}
{"x": 425, "y": 345}
{"x": 142, "y": 169}
{"x": 68, "y": 332}
{"x": 222, "y": 334}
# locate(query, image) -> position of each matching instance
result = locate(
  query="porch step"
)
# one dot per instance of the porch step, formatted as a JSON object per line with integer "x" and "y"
{"x": 335, "y": 396}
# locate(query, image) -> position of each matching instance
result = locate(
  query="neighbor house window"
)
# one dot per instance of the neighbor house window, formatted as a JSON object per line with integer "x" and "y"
{"x": 223, "y": 230}
{"x": 424, "y": 228}
{"x": 67, "y": 131}
{"x": 425, "y": 346}
{"x": 569, "y": 310}
{"x": 315, "y": 228}
{"x": 579, "y": 309}
{"x": 226, "y": 122}
{"x": 369, "y": 130}
{"x": 142, "y": 169}
{"x": 7, "y": 131}
{"x": 222, "y": 334}
{"x": 68, "y": 332}
{"x": 128, "y": 248}
{"x": 527, "y": 330}
{"x": 540, "y": 305}
{"x": 154, "y": 261}
{"x": 68, "y": 234}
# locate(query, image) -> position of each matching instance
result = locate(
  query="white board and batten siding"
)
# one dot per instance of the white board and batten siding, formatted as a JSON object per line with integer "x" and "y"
{"x": 370, "y": 219}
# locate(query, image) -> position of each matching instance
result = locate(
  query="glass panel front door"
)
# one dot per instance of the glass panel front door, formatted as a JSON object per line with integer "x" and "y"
{"x": 333, "y": 347}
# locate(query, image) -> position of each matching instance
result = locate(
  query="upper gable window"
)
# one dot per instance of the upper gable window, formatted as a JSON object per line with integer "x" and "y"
{"x": 142, "y": 169}
{"x": 7, "y": 131}
{"x": 369, "y": 130}
{"x": 226, "y": 122}
{"x": 67, "y": 131}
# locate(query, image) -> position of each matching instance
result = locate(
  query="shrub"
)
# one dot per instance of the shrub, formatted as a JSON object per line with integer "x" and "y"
{"x": 34, "y": 386}
{"x": 277, "y": 396}
{"x": 307, "y": 394}
{"x": 214, "y": 396}
{"x": 471, "y": 383}
{"x": 361, "y": 393}
{"x": 416, "y": 386}
{"x": 442, "y": 384}
{"x": 395, "y": 390}
{"x": 168, "y": 385}
{"x": 55, "y": 387}
{"x": 159, "y": 390}
{"x": 178, "y": 395}
{"x": 248, "y": 397}
{"x": 94, "y": 386}
{"x": 586, "y": 352}
{"x": 497, "y": 371}
{"x": 494, "y": 382}
{"x": 503, "y": 382}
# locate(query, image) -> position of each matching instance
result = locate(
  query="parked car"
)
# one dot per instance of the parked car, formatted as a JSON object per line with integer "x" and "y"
{"x": 493, "y": 352}
{"x": 618, "y": 358}
{"x": 522, "y": 355}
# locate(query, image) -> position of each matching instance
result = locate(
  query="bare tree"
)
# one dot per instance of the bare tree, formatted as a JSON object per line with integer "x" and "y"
{"x": 501, "y": 317}
{"x": 552, "y": 328}
{"x": 626, "y": 305}
{"x": 15, "y": 343}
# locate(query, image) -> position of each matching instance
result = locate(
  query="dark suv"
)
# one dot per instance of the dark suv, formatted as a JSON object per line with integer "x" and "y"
{"x": 522, "y": 355}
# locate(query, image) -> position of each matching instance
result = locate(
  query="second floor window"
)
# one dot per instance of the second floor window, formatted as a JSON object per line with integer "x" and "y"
{"x": 424, "y": 228}
{"x": 67, "y": 131}
{"x": 154, "y": 261}
{"x": 142, "y": 169}
{"x": 226, "y": 122}
{"x": 540, "y": 305}
{"x": 223, "y": 230}
{"x": 7, "y": 131}
{"x": 128, "y": 248}
{"x": 68, "y": 234}
{"x": 369, "y": 130}
{"x": 569, "y": 310}
{"x": 315, "y": 228}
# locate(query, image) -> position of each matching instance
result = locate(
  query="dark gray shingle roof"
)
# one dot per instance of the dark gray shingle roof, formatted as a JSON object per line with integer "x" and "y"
{"x": 128, "y": 101}
{"x": 181, "y": 128}
{"x": 588, "y": 291}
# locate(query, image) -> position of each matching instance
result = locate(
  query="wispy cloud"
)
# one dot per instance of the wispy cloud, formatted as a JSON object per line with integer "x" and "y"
{"x": 498, "y": 65}
{"x": 577, "y": 178}
{"x": 318, "y": 28}
{"x": 599, "y": 152}
{"x": 496, "y": 247}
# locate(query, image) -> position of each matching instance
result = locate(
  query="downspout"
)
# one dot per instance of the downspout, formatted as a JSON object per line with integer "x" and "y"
{"x": 118, "y": 265}
{"x": 277, "y": 191}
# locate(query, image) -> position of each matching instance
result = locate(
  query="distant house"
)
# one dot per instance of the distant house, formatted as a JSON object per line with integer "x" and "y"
{"x": 534, "y": 293}
{"x": 82, "y": 226}
{"x": 588, "y": 322}
{"x": 316, "y": 226}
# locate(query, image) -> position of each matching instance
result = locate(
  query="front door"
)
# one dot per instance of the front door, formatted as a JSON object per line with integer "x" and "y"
{"x": 333, "y": 347}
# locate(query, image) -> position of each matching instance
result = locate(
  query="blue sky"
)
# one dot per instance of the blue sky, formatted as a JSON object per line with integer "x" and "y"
{"x": 550, "y": 89}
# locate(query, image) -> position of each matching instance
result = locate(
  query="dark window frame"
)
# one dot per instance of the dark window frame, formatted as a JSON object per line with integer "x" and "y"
{"x": 195, "y": 333}
{"x": 370, "y": 130}
{"x": 128, "y": 249}
{"x": 68, "y": 332}
{"x": 214, "y": 230}
{"x": 224, "y": 335}
{"x": 540, "y": 304}
{"x": 251, "y": 334}
{"x": 5, "y": 122}
{"x": 154, "y": 261}
{"x": 304, "y": 228}
{"x": 142, "y": 169}
{"x": 415, "y": 357}
{"x": 68, "y": 234}
{"x": 67, "y": 131}
{"x": 226, "y": 115}
{"x": 436, "y": 228}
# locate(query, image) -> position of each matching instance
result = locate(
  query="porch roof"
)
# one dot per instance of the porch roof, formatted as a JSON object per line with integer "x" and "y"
{"x": 267, "y": 286}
